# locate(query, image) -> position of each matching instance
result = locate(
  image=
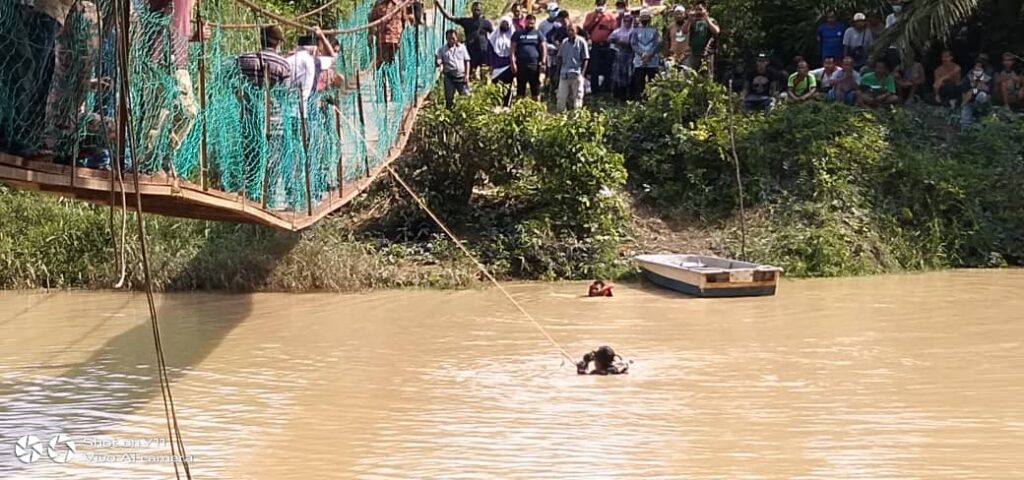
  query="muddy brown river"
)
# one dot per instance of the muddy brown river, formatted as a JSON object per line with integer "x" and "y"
{"x": 898, "y": 377}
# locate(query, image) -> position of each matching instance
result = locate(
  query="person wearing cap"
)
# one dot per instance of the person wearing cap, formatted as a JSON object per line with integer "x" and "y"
{"x": 857, "y": 41}
{"x": 303, "y": 66}
{"x": 598, "y": 25}
{"x": 476, "y": 29}
{"x": 678, "y": 47}
{"x": 878, "y": 87}
{"x": 830, "y": 36}
{"x": 761, "y": 87}
{"x": 266, "y": 63}
{"x": 977, "y": 90}
{"x": 701, "y": 34}
{"x": 644, "y": 40}
{"x": 551, "y": 21}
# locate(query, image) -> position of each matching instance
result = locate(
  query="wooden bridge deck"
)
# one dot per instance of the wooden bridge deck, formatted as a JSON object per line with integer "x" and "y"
{"x": 179, "y": 198}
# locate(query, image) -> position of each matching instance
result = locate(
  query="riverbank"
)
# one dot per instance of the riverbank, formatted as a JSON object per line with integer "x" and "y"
{"x": 829, "y": 191}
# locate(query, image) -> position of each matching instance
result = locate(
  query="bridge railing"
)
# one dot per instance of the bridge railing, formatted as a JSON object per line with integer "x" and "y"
{"x": 192, "y": 115}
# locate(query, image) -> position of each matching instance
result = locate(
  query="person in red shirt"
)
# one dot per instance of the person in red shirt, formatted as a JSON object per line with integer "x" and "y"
{"x": 388, "y": 33}
{"x": 598, "y": 26}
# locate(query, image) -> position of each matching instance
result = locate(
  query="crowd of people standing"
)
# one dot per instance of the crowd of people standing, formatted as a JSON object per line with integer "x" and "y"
{"x": 607, "y": 51}
{"x": 619, "y": 51}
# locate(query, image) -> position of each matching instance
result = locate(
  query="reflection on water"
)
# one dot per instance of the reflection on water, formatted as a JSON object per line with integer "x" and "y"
{"x": 918, "y": 376}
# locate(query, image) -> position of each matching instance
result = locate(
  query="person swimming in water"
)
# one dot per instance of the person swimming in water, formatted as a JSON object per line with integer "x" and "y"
{"x": 604, "y": 363}
{"x": 600, "y": 289}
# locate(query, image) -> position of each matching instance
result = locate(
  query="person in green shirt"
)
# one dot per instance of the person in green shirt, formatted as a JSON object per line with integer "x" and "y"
{"x": 701, "y": 32}
{"x": 801, "y": 86}
{"x": 878, "y": 88}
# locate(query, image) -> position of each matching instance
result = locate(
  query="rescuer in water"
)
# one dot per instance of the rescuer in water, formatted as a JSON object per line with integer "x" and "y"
{"x": 604, "y": 363}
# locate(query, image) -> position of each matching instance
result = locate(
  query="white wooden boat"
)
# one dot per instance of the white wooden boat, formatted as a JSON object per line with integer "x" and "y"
{"x": 706, "y": 276}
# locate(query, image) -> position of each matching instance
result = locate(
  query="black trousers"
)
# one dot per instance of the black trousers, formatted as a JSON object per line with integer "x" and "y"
{"x": 642, "y": 75}
{"x": 601, "y": 59}
{"x": 527, "y": 75}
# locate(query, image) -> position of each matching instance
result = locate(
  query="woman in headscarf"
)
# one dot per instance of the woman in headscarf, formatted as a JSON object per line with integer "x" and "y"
{"x": 501, "y": 55}
{"x": 622, "y": 69}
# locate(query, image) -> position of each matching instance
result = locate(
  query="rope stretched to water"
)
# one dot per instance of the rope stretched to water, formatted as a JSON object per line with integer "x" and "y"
{"x": 483, "y": 269}
{"x": 125, "y": 131}
{"x": 480, "y": 266}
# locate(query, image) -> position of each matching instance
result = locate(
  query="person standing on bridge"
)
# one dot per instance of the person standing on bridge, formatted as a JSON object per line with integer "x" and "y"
{"x": 264, "y": 70}
{"x": 26, "y": 69}
{"x": 388, "y": 33}
{"x": 476, "y": 29}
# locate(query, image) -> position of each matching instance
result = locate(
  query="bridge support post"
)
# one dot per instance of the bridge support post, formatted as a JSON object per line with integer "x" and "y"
{"x": 305, "y": 151}
{"x": 202, "y": 93}
{"x": 341, "y": 153}
{"x": 266, "y": 114}
{"x": 362, "y": 122}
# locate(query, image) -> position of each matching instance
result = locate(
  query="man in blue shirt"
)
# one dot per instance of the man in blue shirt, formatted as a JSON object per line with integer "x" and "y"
{"x": 830, "y": 37}
{"x": 529, "y": 56}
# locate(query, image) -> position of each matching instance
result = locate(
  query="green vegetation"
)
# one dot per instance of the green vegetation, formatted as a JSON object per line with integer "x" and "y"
{"x": 46, "y": 242}
{"x": 830, "y": 190}
{"x": 537, "y": 194}
{"x": 834, "y": 190}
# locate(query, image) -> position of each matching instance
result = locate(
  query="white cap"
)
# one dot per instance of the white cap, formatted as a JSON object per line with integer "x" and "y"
{"x": 859, "y": 17}
{"x": 553, "y": 6}
{"x": 645, "y": 13}
{"x": 679, "y": 9}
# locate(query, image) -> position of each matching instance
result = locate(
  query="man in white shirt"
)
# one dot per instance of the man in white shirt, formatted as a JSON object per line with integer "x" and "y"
{"x": 453, "y": 58}
{"x": 303, "y": 63}
{"x": 857, "y": 40}
{"x": 824, "y": 75}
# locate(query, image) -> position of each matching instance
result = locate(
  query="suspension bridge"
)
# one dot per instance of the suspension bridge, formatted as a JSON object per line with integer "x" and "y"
{"x": 108, "y": 102}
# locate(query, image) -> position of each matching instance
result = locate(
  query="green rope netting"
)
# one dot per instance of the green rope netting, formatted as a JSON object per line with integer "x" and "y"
{"x": 56, "y": 94}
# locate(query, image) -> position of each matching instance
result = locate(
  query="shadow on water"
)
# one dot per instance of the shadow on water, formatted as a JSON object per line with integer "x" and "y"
{"x": 120, "y": 376}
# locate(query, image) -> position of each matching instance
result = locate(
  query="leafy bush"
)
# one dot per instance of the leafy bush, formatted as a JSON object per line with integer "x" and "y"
{"x": 538, "y": 194}
{"x": 834, "y": 190}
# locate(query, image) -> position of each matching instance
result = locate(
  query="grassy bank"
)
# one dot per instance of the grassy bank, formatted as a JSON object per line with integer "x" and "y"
{"x": 829, "y": 191}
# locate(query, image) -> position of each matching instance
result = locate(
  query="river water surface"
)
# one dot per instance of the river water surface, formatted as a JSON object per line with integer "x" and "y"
{"x": 901, "y": 377}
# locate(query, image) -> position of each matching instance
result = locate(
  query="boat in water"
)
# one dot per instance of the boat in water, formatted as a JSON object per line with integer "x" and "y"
{"x": 707, "y": 276}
